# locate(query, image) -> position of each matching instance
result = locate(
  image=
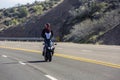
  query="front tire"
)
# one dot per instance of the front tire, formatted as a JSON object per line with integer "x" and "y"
{"x": 50, "y": 56}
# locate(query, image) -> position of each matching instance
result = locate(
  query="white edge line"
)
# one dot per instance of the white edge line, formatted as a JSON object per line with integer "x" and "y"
{"x": 22, "y": 63}
{"x": 4, "y": 56}
{"x": 50, "y": 77}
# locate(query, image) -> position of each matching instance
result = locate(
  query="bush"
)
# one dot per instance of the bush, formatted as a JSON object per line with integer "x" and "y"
{"x": 12, "y": 10}
{"x": 14, "y": 22}
{"x": 38, "y": 9}
{"x": 11, "y": 22}
{"x": 7, "y": 22}
{"x": 6, "y": 13}
{"x": 23, "y": 12}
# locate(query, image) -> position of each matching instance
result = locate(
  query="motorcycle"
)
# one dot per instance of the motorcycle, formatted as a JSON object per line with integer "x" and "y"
{"x": 49, "y": 50}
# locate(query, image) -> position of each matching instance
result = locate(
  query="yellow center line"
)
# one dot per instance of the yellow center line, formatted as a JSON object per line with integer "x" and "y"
{"x": 71, "y": 57}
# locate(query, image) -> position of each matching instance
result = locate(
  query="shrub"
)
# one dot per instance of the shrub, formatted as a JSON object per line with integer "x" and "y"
{"x": 38, "y": 9}
{"x": 23, "y": 12}
{"x": 7, "y": 22}
{"x": 6, "y": 13}
{"x": 14, "y": 22}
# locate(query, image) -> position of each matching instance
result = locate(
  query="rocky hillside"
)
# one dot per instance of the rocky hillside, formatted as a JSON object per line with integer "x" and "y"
{"x": 81, "y": 21}
{"x": 112, "y": 37}
{"x": 32, "y": 28}
{"x": 13, "y": 21}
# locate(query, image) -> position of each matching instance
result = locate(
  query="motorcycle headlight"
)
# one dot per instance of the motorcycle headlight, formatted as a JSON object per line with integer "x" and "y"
{"x": 49, "y": 47}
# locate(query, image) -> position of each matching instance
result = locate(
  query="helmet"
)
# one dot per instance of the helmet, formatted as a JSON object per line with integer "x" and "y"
{"x": 47, "y": 25}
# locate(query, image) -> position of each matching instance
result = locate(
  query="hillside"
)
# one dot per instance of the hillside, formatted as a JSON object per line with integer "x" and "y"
{"x": 112, "y": 37}
{"x": 33, "y": 27}
{"x": 81, "y": 21}
{"x": 21, "y": 14}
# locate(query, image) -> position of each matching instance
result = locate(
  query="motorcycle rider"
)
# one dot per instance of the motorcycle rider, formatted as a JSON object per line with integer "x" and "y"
{"x": 47, "y": 34}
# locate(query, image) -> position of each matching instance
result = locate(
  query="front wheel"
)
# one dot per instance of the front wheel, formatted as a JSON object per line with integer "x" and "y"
{"x": 46, "y": 58}
{"x": 50, "y": 57}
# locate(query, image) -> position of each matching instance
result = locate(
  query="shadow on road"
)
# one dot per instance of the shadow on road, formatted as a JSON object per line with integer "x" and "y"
{"x": 36, "y": 61}
{"x": 41, "y": 61}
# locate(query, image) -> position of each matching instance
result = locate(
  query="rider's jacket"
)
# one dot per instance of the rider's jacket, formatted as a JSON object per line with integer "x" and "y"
{"x": 47, "y": 34}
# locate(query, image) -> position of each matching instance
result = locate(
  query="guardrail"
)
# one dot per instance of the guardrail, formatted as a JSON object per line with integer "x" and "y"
{"x": 20, "y": 39}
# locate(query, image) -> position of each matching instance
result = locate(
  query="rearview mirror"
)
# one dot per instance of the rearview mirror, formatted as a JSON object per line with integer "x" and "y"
{"x": 55, "y": 44}
{"x": 43, "y": 43}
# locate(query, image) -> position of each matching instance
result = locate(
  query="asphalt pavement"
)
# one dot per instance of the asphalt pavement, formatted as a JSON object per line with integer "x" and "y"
{"x": 70, "y": 62}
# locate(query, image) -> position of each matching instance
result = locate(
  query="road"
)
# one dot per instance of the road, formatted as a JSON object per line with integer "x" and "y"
{"x": 70, "y": 62}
